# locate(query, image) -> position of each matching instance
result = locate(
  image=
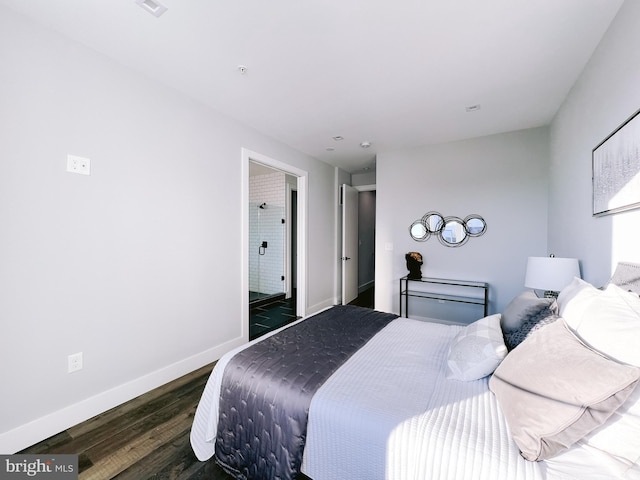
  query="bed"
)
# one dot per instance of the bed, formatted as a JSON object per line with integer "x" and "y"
{"x": 544, "y": 390}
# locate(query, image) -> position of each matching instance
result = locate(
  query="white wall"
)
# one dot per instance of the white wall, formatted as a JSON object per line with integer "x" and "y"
{"x": 605, "y": 95}
{"x": 502, "y": 177}
{"x": 138, "y": 266}
{"x": 367, "y": 178}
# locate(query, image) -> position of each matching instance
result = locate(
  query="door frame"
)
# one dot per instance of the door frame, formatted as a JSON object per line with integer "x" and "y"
{"x": 301, "y": 270}
{"x": 291, "y": 247}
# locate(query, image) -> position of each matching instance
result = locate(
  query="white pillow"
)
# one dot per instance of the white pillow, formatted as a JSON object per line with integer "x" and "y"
{"x": 476, "y": 351}
{"x": 575, "y": 299}
{"x": 611, "y": 324}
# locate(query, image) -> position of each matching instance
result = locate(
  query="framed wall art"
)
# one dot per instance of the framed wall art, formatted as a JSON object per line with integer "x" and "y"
{"x": 616, "y": 169}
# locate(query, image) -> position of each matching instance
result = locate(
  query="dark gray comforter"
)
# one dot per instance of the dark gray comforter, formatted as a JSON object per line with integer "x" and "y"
{"x": 267, "y": 389}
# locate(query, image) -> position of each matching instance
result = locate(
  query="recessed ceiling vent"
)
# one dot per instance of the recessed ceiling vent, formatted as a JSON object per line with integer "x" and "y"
{"x": 152, "y": 6}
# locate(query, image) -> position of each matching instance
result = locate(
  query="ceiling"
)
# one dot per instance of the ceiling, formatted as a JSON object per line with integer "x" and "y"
{"x": 396, "y": 74}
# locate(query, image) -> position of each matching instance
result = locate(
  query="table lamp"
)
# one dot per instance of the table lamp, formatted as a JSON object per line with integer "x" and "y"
{"x": 550, "y": 274}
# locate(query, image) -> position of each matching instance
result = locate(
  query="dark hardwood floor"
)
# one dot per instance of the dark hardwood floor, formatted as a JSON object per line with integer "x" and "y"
{"x": 147, "y": 438}
{"x": 365, "y": 298}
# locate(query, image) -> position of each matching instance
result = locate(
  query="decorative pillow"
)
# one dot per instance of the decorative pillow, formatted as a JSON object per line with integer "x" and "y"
{"x": 575, "y": 299}
{"x": 611, "y": 324}
{"x": 627, "y": 277}
{"x": 522, "y": 308}
{"x": 619, "y": 436}
{"x": 553, "y": 390}
{"x": 530, "y": 325}
{"x": 476, "y": 351}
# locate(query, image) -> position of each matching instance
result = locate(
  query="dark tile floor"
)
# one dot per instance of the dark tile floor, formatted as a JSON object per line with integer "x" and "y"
{"x": 259, "y": 297}
{"x": 269, "y": 316}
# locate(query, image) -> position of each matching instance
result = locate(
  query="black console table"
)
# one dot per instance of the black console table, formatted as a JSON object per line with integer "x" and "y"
{"x": 443, "y": 289}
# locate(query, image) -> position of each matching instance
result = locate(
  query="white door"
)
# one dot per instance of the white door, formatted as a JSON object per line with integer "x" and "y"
{"x": 349, "y": 244}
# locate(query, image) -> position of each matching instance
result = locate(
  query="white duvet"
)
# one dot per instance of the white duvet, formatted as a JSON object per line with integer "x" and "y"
{"x": 390, "y": 413}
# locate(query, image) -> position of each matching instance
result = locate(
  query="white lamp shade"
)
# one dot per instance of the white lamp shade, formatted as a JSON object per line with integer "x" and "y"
{"x": 550, "y": 273}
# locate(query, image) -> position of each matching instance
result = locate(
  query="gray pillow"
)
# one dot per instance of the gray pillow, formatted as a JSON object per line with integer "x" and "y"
{"x": 532, "y": 323}
{"x": 553, "y": 390}
{"x": 522, "y": 308}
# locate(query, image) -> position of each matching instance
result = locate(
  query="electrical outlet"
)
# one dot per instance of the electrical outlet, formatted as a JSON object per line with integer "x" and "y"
{"x": 74, "y": 362}
{"x": 79, "y": 165}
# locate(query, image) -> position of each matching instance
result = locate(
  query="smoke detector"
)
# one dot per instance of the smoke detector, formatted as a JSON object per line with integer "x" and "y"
{"x": 154, "y": 7}
{"x": 365, "y": 144}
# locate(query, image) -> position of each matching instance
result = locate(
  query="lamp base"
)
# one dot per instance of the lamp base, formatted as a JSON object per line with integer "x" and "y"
{"x": 545, "y": 294}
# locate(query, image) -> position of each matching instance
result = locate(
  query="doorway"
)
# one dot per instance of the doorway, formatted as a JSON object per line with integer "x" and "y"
{"x": 350, "y": 250}
{"x": 358, "y": 244}
{"x": 268, "y": 245}
{"x": 366, "y": 247}
{"x": 274, "y": 239}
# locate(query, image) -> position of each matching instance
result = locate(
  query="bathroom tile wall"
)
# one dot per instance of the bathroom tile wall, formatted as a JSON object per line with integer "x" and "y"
{"x": 265, "y": 225}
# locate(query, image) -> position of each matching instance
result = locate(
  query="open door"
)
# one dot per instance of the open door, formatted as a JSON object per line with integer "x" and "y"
{"x": 349, "y": 244}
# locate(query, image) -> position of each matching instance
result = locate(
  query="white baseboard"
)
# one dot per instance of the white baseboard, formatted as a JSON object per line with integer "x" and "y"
{"x": 42, "y": 428}
{"x": 320, "y": 306}
{"x": 365, "y": 286}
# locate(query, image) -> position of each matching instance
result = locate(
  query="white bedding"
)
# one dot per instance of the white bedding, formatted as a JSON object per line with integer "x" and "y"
{"x": 390, "y": 413}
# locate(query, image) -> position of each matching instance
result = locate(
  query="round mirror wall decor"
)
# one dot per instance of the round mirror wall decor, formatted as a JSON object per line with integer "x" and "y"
{"x": 419, "y": 232}
{"x": 433, "y": 222}
{"x": 451, "y": 231}
{"x": 454, "y": 232}
{"x": 475, "y": 225}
